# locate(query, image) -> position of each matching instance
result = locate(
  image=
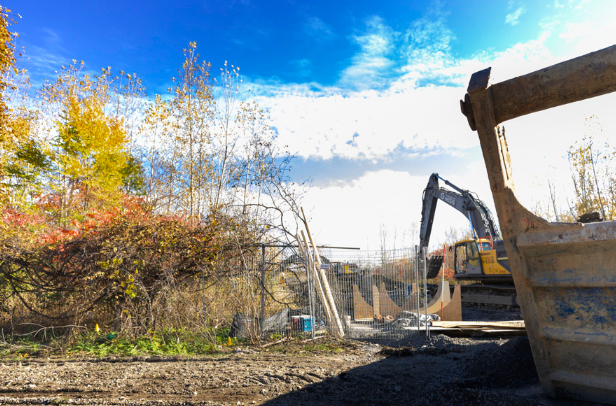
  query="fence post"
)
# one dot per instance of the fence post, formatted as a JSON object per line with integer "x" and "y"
{"x": 417, "y": 279}
{"x": 203, "y": 302}
{"x": 425, "y": 278}
{"x": 262, "y": 319}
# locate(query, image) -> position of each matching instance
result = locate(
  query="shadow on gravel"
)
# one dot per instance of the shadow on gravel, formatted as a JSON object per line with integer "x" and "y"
{"x": 439, "y": 372}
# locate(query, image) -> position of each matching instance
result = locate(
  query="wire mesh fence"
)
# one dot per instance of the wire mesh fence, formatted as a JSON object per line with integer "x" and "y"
{"x": 376, "y": 294}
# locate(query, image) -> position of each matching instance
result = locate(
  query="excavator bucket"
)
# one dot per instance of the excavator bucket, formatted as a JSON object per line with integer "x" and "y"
{"x": 434, "y": 266}
{"x": 564, "y": 273}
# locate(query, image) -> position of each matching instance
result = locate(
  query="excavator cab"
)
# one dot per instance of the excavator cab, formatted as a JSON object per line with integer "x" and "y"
{"x": 485, "y": 243}
{"x": 466, "y": 258}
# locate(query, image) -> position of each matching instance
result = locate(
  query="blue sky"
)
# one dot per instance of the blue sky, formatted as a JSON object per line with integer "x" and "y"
{"x": 365, "y": 93}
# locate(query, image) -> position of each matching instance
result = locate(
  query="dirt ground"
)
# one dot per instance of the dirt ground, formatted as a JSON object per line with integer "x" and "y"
{"x": 435, "y": 371}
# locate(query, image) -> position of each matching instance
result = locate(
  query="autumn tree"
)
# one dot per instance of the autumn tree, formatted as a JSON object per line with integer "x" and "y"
{"x": 181, "y": 127}
{"x": 16, "y": 119}
{"x": 89, "y": 162}
{"x": 213, "y": 154}
{"x": 7, "y": 66}
{"x": 592, "y": 174}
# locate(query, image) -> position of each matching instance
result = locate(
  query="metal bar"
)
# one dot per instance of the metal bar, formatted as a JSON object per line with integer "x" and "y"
{"x": 417, "y": 285}
{"x": 577, "y": 79}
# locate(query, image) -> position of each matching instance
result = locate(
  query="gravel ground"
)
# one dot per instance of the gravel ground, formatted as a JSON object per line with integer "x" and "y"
{"x": 435, "y": 371}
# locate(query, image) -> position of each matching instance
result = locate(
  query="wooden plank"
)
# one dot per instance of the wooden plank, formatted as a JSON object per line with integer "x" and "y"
{"x": 387, "y": 306}
{"x": 434, "y": 307}
{"x": 376, "y": 302}
{"x": 453, "y": 310}
{"x": 361, "y": 309}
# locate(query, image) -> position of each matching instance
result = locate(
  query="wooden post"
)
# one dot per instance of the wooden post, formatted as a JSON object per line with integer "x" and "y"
{"x": 317, "y": 282}
{"x": 328, "y": 292}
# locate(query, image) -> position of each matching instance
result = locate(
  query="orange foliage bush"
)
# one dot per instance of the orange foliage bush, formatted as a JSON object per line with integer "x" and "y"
{"x": 112, "y": 261}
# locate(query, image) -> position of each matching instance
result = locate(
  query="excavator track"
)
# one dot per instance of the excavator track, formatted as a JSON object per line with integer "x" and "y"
{"x": 489, "y": 294}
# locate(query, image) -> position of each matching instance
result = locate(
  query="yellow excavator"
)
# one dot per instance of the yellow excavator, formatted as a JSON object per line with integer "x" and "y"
{"x": 481, "y": 258}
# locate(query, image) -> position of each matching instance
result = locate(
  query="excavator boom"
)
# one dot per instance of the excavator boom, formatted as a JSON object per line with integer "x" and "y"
{"x": 462, "y": 200}
{"x": 492, "y": 264}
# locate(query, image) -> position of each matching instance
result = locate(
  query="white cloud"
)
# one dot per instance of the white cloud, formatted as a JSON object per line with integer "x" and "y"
{"x": 319, "y": 122}
{"x": 376, "y": 123}
{"x": 577, "y": 30}
{"x": 353, "y": 215}
{"x": 514, "y": 17}
{"x": 578, "y": 4}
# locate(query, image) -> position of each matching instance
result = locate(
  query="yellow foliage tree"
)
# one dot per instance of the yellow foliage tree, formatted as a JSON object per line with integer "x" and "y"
{"x": 7, "y": 64}
{"x": 593, "y": 174}
{"x": 90, "y": 152}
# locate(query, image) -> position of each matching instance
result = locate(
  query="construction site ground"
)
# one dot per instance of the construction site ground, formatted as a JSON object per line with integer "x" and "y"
{"x": 416, "y": 371}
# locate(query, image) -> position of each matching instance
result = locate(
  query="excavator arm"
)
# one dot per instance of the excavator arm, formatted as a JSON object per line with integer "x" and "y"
{"x": 465, "y": 202}
{"x": 462, "y": 200}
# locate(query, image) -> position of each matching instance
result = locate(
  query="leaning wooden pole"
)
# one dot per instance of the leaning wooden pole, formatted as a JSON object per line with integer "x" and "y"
{"x": 336, "y": 318}
{"x": 310, "y": 283}
{"x": 311, "y": 268}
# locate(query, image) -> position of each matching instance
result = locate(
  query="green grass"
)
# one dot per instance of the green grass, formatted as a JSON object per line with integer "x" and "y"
{"x": 170, "y": 342}
{"x": 20, "y": 348}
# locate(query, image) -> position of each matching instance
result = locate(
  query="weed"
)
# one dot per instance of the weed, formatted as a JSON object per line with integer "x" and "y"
{"x": 169, "y": 342}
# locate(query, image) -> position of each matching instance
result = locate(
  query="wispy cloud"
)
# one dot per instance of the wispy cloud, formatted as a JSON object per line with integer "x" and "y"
{"x": 426, "y": 48}
{"x": 50, "y": 37}
{"x": 372, "y": 65}
{"x": 317, "y": 28}
{"x": 302, "y": 67}
{"x": 513, "y": 18}
{"x": 43, "y": 62}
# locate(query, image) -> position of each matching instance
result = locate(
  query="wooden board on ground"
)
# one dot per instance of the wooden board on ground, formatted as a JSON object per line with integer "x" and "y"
{"x": 478, "y": 332}
{"x": 512, "y": 324}
{"x": 479, "y": 328}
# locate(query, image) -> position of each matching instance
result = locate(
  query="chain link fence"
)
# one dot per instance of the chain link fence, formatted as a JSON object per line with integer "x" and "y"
{"x": 377, "y": 294}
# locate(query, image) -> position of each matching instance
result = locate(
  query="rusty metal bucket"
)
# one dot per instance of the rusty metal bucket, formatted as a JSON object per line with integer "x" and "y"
{"x": 564, "y": 273}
